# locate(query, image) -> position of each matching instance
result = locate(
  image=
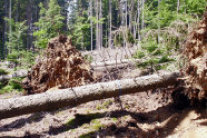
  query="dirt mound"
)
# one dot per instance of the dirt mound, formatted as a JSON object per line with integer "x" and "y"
{"x": 196, "y": 66}
{"x": 63, "y": 67}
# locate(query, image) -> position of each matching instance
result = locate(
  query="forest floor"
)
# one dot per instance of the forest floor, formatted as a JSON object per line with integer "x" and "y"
{"x": 140, "y": 115}
{"x": 144, "y": 115}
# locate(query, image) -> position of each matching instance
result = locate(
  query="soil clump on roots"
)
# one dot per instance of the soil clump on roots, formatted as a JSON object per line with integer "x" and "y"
{"x": 63, "y": 67}
{"x": 195, "y": 71}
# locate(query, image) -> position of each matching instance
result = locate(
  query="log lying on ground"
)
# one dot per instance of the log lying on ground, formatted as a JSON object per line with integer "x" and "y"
{"x": 74, "y": 96}
{"x": 99, "y": 66}
{"x": 114, "y": 62}
{"x": 21, "y": 73}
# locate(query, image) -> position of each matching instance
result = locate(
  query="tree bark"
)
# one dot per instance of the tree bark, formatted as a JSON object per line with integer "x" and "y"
{"x": 114, "y": 62}
{"x": 110, "y": 24}
{"x": 100, "y": 25}
{"x": 91, "y": 22}
{"x": 97, "y": 25}
{"x": 158, "y": 36}
{"x": 10, "y": 28}
{"x": 138, "y": 20}
{"x": 53, "y": 100}
{"x": 143, "y": 24}
{"x": 5, "y": 29}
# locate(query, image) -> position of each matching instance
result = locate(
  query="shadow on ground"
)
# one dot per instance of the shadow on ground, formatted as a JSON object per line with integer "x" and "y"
{"x": 167, "y": 113}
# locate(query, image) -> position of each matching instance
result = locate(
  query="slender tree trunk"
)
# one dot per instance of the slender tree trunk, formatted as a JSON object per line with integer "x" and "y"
{"x": 29, "y": 22}
{"x": 131, "y": 17}
{"x": 91, "y": 22}
{"x": 121, "y": 5}
{"x": 100, "y": 25}
{"x": 178, "y": 6}
{"x": 138, "y": 19}
{"x": 10, "y": 28}
{"x": 143, "y": 24}
{"x": 158, "y": 36}
{"x": 126, "y": 15}
{"x": 110, "y": 24}
{"x": 4, "y": 53}
{"x": 97, "y": 25}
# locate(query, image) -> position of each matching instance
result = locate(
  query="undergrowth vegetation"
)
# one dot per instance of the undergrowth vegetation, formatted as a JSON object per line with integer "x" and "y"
{"x": 13, "y": 85}
{"x": 3, "y": 72}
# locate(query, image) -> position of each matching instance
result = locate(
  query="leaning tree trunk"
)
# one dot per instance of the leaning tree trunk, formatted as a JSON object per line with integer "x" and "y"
{"x": 52, "y": 100}
{"x": 195, "y": 53}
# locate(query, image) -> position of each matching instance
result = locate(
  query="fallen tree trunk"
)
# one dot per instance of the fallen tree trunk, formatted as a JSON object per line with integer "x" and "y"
{"x": 74, "y": 96}
{"x": 21, "y": 73}
{"x": 100, "y": 66}
{"x": 115, "y": 63}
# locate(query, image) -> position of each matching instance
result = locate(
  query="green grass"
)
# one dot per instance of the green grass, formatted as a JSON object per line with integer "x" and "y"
{"x": 139, "y": 54}
{"x": 96, "y": 124}
{"x": 12, "y": 85}
{"x": 104, "y": 105}
{"x": 71, "y": 122}
{"x": 3, "y": 72}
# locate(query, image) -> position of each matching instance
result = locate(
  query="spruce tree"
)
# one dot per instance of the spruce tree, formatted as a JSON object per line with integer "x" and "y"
{"x": 49, "y": 24}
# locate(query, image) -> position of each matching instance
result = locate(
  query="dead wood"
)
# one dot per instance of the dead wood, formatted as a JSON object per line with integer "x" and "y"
{"x": 63, "y": 67}
{"x": 195, "y": 53}
{"x": 53, "y": 100}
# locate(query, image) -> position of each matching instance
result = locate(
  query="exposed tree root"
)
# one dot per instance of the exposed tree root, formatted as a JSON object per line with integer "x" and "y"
{"x": 195, "y": 71}
{"x": 63, "y": 67}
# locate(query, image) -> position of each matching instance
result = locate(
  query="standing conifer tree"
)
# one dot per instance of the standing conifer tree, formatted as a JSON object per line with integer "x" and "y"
{"x": 49, "y": 24}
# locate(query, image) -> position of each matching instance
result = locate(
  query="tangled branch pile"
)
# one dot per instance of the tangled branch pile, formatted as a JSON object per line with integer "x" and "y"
{"x": 63, "y": 67}
{"x": 196, "y": 67}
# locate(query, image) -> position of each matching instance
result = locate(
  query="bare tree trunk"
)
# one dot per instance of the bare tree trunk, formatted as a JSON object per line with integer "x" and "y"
{"x": 91, "y": 22}
{"x": 10, "y": 28}
{"x": 53, "y": 100}
{"x": 110, "y": 24}
{"x": 158, "y": 36}
{"x": 97, "y": 25}
{"x": 143, "y": 24}
{"x": 178, "y": 6}
{"x": 126, "y": 15}
{"x": 29, "y": 22}
{"x": 5, "y": 28}
{"x": 138, "y": 19}
{"x": 100, "y": 25}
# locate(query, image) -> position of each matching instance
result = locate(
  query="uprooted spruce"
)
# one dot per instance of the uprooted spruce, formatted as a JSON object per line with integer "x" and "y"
{"x": 63, "y": 67}
{"x": 195, "y": 71}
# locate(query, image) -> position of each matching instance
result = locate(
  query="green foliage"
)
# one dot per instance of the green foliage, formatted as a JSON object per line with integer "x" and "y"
{"x": 96, "y": 124}
{"x": 3, "y": 72}
{"x": 153, "y": 54}
{"x": 123, "y": 35}
{"x": 81, "y": 32}
{"x": 118, "y": 39}
{"x": 139, "y": 54}
{"x": 12, "y": 85}
{"x": 196, "y": 6}
{"x": 89, "y": 58}
{"x": 13, "y": 57}
{"x": 27, "y": 58}
{"x": 50, "y": 23}
{"x": 71, "y": 122}
{"x": 16, "y": 37}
